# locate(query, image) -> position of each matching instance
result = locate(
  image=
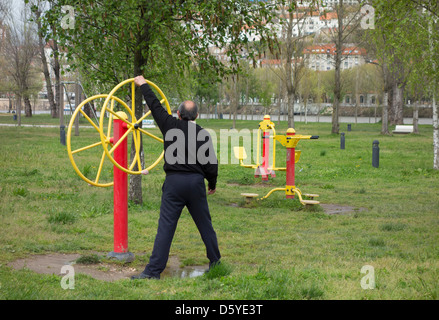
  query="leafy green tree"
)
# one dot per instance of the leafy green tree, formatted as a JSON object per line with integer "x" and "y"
{"x": 407, "y": 37}
{"x": 113, "y": 40}
{"x": 267, "y": 86}
{"x": 206, "y": 90}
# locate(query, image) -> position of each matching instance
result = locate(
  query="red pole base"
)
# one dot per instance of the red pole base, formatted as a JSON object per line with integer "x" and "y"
{"x": 291, "y": 163}
{"x": 120, "y": 196}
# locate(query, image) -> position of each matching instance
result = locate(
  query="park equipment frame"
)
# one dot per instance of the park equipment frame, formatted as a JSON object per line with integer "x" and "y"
{"x": 113, "y": 135}
{"x": 263, "y": 170}
{"x": 290, "y": 141}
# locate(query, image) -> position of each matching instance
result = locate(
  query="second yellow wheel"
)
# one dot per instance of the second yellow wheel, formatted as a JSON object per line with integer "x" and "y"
{"x": 133, "y": 126}
{"x": 83, "y": 150}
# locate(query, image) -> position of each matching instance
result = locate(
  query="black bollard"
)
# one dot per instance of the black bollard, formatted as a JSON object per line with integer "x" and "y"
{"x": 342, "y": 141}
{"x": 375, "y": 154}
{"x": 349, "y": 127}
{"x": 62, "y": 135}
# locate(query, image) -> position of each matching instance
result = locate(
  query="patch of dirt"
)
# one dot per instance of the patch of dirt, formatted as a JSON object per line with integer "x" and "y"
{"x": 327, "y": 208}
{"x": 339, "y": 209}
{"x": 52, "y": 264}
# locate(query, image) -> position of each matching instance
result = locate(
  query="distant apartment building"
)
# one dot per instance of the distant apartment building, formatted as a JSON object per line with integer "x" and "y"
{"x": 332, "y": 3}
{"x": 328, "y": 4}
{"x": 322, "y": 57}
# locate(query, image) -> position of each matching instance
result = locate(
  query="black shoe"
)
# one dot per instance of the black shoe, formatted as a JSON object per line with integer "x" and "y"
{"x": 144, "y": 276}
{"x": 212, "y": 265}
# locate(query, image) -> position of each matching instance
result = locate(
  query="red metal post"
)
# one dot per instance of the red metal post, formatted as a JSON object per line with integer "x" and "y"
{"x": 120, "y": 190}
{"x": 265, "y": 153}
{"x": 120, "y": 193}
{"x": 291, "y": 163}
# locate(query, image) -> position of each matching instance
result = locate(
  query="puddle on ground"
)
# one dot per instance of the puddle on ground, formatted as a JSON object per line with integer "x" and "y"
{"x": 52, "y": 264}
{"x": 173, "y": 269}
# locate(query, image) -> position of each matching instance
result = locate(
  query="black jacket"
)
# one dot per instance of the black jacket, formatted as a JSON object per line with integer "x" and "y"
{"x": 190, "y": 162}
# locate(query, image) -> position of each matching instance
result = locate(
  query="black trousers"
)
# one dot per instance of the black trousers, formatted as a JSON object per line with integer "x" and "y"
{"x": 180, "y": 190}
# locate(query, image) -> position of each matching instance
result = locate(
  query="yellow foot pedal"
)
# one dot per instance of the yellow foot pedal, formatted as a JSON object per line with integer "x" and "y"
{"x": 309, "y": 202}
{"x": 249, "y": 196}
{"x": 311, "y": 196}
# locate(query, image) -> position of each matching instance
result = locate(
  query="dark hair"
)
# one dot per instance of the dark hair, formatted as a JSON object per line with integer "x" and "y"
{"x": 190, "y": 114}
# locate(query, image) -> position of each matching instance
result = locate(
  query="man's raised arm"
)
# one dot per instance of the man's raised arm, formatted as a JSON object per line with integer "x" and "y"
{"x": 163, "y": 119}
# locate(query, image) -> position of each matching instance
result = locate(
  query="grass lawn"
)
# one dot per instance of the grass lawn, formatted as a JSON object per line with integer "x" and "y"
{"x": 273, "y": 249}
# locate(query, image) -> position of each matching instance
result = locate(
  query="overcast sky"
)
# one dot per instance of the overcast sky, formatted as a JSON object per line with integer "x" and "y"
{"x": 17, "y": 6}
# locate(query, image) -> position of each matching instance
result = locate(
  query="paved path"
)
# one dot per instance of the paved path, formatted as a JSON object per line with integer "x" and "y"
{"x": 325, "y": 119}
{"x": 37, "y": 125}
{"x": 274, "y": 118}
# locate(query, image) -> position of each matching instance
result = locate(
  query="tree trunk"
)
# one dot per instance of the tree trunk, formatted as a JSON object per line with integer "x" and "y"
{"x": 385, "y": 114}
{"x": 140, "y": 62}
{"x": 398, "y": 104}
{"x": 357, "y": 96}
{"x": 46, "y": 72}
{"x": 290, "y": 86}
{"x": 306, "y": 111}
{"x": 337, "y": 86}
{"x": 135, "y": 181}
{"x": 416, "y": 118}
{"x": 291, "y": 98}
{"x": 27, "y": 106}
{"x": 335, "y": 113}
{"x": 78, "y": 99}
{"x": 10, "y": 103}
{"x": 235, "y": 100}
{"x": 434, "y": 107}
{"x": 57, "y": 71}
{"x": 337, "y": 90}
{"x": 279, "y": 109}
{"x": 18, "y": 110}
{"x": 200, "y": 107}
{"x": 435, "y": 134}
{"x": 389, "y": 96}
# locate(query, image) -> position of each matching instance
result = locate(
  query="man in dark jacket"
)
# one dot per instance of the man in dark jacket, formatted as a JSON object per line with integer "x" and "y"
{"x": 187, "y": 163}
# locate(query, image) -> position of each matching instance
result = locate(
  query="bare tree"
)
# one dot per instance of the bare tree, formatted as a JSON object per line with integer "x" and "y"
{"x": 37, "y": 7}
{"x": 5, "y": 10}
{"x": 291, "y": 47}
{"x": 55, "y": 63}
{"x": 20, "y": 50}
{"x": 5, "y": 81}
{"x": 434, "y": 92}
{"x": 348, "y": 20}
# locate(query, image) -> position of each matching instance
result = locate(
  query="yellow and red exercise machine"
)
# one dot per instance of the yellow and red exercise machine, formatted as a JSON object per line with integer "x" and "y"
{"x": 113, "y": 136}
{"x": 290, "y": 141}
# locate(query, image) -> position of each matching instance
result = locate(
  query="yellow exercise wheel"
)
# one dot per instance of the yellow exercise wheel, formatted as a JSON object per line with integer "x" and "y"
{"x": 85, "y": 149}
{"x": 134, "y": 127}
